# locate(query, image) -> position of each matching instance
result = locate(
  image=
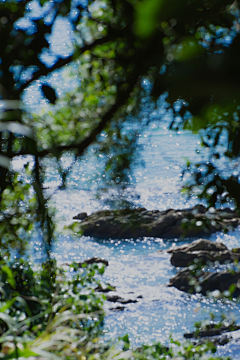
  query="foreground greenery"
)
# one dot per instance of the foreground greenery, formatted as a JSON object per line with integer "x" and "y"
{"x": 186, "y": 51}
{"x": 46, "y": 314}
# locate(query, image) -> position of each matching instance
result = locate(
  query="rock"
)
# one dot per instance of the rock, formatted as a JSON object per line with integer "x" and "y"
{"x": 116, "y": 298}
{"x": 212, "y": 333}
{"x": 205, "y": 282}
{"x": 200, "y": 244}
{"x": 135, "y": 223}
{"x": 117, "y": 308}
{"x": 204, "y": 251}
{"x": 105, "y": 289}
{"x": 94, "y": 260}
{"x": 212, "y": 330}
{"x": 80, "y": 216}
{"x": 181, "y": 281}
{"x": 216, "y": 340}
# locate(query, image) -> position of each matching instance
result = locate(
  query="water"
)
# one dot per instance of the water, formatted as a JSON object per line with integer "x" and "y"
{"x": 136, "y": 267}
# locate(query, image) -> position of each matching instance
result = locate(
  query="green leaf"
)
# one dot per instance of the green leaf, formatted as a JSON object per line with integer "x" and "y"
{"x": 7, "y": 306}
{"x": 26, "y": 353}
{"x": 187, "y": 49}
{"x": 10, "y": 277}
{"x": 147, "y": 12}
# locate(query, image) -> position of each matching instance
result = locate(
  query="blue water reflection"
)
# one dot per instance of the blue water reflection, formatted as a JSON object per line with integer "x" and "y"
{"x": 136, "y": 267}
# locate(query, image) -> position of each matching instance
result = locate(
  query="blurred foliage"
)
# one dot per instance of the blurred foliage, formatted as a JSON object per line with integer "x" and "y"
{"x": 189, "y": 49}
{"x": 47, "y": 305}
{"x": 44, "y": 314}
{"x": 32, "y": 298}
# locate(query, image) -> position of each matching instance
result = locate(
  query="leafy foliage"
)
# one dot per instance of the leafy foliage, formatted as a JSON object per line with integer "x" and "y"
{"x": 27, "y": 293}
{"x": 189, "y": 49}
{"x": 35, "y": 303}
{"x": 45, "y": 313}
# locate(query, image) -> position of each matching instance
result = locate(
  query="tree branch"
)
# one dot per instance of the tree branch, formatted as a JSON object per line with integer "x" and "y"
{"x": 83, "y": 145}
{"x": 43, "y": 71}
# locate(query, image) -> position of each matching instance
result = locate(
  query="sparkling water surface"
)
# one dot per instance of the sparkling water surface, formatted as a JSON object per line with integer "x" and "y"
{"x": 136, "y": 267}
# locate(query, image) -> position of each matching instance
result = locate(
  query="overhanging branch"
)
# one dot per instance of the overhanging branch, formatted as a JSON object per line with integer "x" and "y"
{"x": 84, "y": 144}
{"x": 44, "y": 71}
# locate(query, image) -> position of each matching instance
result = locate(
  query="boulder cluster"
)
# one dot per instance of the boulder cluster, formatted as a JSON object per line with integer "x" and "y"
{"x": 137, "y": 223}
{"x": 193, "y": 279}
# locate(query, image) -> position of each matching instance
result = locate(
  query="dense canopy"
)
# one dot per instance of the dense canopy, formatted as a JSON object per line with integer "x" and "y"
{"x": 188, "y": 50}
{"x": 120, "y": 56}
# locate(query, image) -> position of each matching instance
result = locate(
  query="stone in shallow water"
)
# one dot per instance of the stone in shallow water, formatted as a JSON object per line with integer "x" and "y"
{"x": 138, "y": 223}
{"x": 93, "y": 260}
{"x": 119, "y": 299}
{"x": 80, "y": 216}
{"x": 203, "y": 251}
{"x": 205, "y": 282}
{"x": 117, "y": 308}
{"x": 105, "y": 288}
{"x": 212, "y": 330}
{"x": 215, "y": 340}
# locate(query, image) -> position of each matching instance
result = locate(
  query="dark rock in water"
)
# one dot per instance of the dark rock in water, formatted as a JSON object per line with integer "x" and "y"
{"x": 197, "y": 245}
{"x": 216, "y": 340}
{"x": 203, "y": 251}
{"x": 80, "y": 216}
{"x": 116, "y": 298}
{"x": 135, "y": 223}
{"x": 205, "y": 282}
{"x": 181, "y": 281}
{"x": 105, "y": 289}
{"x": 212, "y": 330}
{"x": 94, "y": 260}
{"x": 117, "y": 308}
{"x": 212, "y": 333}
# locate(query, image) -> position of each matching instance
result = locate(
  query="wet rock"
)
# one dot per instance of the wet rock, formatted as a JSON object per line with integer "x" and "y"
{"x": 116, "y": 298}
{"x": 213, "y": 333}
{"x": 93, "y": 260}
{"x": 135, "y": 223}
{"x": 203, "y": 251}
{"x": 197, "y": 245}
{"x": 216, "y": 340}
{"x": 117, "y": 308}
{"x": 106, "y": 288}
{"x": 205, "y": 282}
{"x": 80, "y": 216}
{"x": 212, "y": 330}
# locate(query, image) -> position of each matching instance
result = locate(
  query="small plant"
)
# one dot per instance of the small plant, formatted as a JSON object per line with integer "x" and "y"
{"x": 46, "y": 303}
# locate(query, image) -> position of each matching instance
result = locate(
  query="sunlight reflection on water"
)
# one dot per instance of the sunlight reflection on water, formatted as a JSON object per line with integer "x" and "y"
{"x": 135, "y": 267}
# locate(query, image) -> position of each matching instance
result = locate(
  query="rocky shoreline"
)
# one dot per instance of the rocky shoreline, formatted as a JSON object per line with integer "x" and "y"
{"x": 192, "y": 279}
{"x": 139, "y": 223}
